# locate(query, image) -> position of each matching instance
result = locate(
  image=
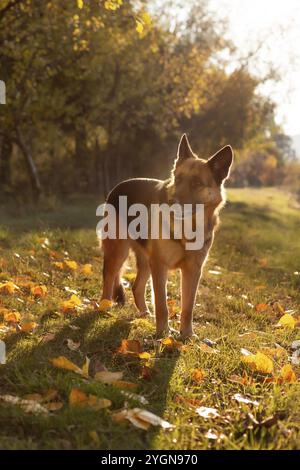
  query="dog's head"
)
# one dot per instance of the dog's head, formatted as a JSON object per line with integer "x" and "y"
{"x": 198, "y": 181}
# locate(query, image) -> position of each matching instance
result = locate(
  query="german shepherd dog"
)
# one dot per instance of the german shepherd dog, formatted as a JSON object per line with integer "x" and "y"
{"x": 194, "y": 181}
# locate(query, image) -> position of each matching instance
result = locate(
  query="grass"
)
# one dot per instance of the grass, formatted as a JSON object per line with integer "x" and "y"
{"x": 256, "y": 252}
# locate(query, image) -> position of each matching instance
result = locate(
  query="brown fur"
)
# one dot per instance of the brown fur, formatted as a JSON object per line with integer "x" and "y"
{"x": 192, "y": 181}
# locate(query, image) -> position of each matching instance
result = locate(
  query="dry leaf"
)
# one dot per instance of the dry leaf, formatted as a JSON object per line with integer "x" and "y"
{"x": 241, "y": 399}
{"x": 261, "y": 307}
{"x": 28, "y": 327}
{"x": 87, "y": 269}
{"x": 125, "y": 385}
{"x": 29, "y": 406}
{"x": 62, "y": 362}
{"x": 130, "y": 347}
{"x": 72, "y": 265}
{"x": 287, "y": 321}
{"x": 207, "y": 413}
{"x": 71, "y": 304}
{"x": 81, "y": 399}
{"x": 105, "y": 305}
{"x": 259, "y": 362}
{"x": 8, "y": 288}
{"x": 53, "y": 406}
{"x": 287, "y": 374}
{"x": 170, "y": 343}
{"x": 58, "y": 265}
{"x": 107, "y": 377}
{"x": 12, "y": 317}
{"x": 39, "y": 291}
{"x": 198, "y": 375}
{"x": 140, "y": 418}
{"x": 208, "y": 349}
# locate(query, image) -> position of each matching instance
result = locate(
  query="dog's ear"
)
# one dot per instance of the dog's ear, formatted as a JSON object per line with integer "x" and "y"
{"x": 184, "y": 150}
{"x": 220, "y": 163}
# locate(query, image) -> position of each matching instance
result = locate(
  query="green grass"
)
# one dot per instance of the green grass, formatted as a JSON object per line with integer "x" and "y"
{"x": 257, "y": 251}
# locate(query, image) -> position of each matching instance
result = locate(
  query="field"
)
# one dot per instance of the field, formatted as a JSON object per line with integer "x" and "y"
{"x": 250, "y": 282}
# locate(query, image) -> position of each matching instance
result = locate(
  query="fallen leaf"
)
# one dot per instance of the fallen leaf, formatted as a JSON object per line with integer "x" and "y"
{"x": 259, "y": 362}
{"x": 12, "y": 317}
{"x": 8, "y": 288}
{"x": 170, "y": 343}
{"x": 29, "y": 406}
{"x": 130, "y": 347}
{"x": 241, "y": 399}
{"x": 207, "y": 349}
{"x": 58, "y": 265}
{"x": 62, "y": 362}
{"x": 141, "y": 418}
{"x": 207, "y": 413}
{"x": 198, "y": 375}
{"x": 81, "y": 399}
{"x": 39, "y": 291}
{"x": 86, "y": 366}
{"x": 28, "y": 326}
{"x": 287, "y": 321}
{"x": 125, "y": 385}
{"x": 72, "y": 265}
{"x": 87, "y": 269}
{"x": 287, "y": 374}
{"x": 261, "y": 307}
{"x": 105, "y": 305}
{"x": 71, "y": 304}
{"x": 107, "y": 377}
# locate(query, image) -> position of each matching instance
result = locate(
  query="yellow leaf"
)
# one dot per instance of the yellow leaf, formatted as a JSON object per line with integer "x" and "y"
{"x": 8, "y": 288}
{"x": 112, "y": 4}
{"x": 287, "y": 374}
{"x": 72, "y": 265}
{"x": 80, "y": 4}
{"x": 85, "y": 367}
{"x": 39, "y": 291}
{"x": 12, "y": 317}
{"x": 94, "y": 436}
{"x": 145, "y": 355}
{"x": 139, "y": 27}
{"x": 171, "y": 343}
{"x": 62, "y": 362}
{"x": 71, "y": 304}
{"x": 105, "y": 305}
{"x": 287, "y": 321}
{"x": 259, "y": 362}
{"x": 87, "y": 269}
{"x": 58, "y": 264}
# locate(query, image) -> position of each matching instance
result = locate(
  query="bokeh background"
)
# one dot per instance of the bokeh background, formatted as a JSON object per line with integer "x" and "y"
{"x": 99, "y": 91}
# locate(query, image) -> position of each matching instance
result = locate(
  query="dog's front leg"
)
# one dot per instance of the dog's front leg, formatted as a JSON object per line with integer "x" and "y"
{"x": 159, "y": 274}
{"x": 190, "y": 275}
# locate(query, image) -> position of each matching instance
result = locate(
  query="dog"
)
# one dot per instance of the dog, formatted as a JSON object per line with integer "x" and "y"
{"x": 193, "y": 181}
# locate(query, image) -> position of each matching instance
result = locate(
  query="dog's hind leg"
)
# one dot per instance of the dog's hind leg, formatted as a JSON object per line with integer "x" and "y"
{"x": 139, "y": 286}
{"x": 115, "y": 253}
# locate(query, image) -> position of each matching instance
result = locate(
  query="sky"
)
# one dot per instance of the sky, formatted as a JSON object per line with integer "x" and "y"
{"x": 277, "y": 23}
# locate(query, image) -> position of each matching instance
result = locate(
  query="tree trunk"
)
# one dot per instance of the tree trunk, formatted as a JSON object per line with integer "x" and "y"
{"x": 5, "y": 156}
{"x": 32, "y": 169}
